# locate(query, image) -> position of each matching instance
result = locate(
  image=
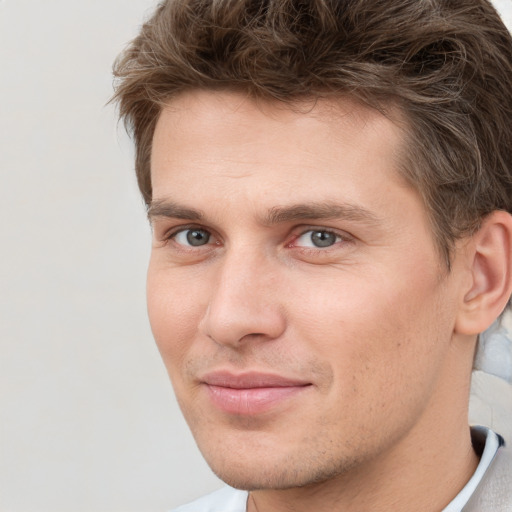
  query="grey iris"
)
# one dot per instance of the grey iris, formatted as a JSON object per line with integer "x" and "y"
{"x": 323, "y": 238}
{"x": 197, "y": 237}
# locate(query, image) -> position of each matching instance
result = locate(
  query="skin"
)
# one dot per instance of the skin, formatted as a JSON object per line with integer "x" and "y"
{"x": 368, "y": 321}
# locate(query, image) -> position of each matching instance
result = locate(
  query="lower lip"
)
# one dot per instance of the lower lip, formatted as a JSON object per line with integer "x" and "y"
{"x": 250, "y": 401}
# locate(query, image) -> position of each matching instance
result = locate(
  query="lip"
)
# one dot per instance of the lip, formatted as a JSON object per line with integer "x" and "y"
{"x": 251, "y": 393}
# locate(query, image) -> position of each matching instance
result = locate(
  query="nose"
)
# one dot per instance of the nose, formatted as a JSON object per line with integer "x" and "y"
{"x": 244, "y": 302}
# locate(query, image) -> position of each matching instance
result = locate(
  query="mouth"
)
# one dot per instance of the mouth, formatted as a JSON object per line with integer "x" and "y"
{"x": 251, "y": 393}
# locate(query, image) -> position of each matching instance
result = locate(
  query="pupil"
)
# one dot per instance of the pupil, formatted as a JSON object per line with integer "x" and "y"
{"x": 323, "y": 238}
{"x": 197, "y": 237}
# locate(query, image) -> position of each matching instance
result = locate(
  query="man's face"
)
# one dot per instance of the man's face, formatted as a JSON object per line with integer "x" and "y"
{"x": 294, "y": 289}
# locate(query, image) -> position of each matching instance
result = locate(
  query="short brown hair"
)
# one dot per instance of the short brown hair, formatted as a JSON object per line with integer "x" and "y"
{"x": 447, "y": 65}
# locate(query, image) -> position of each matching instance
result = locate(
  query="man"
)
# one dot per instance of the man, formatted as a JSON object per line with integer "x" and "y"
{"x": 330, "y": 189}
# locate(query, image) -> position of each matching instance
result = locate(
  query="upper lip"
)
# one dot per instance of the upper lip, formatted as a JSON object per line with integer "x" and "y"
{"x": 248, "y": 380}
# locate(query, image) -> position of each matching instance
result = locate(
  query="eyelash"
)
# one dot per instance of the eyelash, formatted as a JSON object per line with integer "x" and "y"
{"x": 340, "y": 237}
{"x": 170, "y": 236}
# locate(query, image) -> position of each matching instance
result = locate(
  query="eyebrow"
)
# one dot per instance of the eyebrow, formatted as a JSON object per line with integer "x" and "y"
{"x": 320, "y": 211}
{"x": 166, "y": 208}
{"x": 277, "y": 214}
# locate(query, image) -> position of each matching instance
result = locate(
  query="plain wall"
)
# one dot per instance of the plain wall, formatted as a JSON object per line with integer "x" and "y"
{"x": 88, "y": 421}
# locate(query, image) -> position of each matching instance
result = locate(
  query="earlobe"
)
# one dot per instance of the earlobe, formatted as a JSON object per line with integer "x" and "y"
{"x": 491, "y": 274}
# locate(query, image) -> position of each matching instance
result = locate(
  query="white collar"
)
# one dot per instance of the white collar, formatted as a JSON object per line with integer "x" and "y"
{"x": 492, "y": 442}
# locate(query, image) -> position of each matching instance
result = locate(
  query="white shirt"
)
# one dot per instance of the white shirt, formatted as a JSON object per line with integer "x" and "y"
{"x": 228, "y": 499}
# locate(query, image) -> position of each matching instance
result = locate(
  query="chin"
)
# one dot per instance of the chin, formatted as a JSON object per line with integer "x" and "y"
{"x": 256, "y": 479}
{"x": 262, "y": 471}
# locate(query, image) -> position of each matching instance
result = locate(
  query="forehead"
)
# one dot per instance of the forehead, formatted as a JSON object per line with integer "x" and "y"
{"x": 225, "y": 135}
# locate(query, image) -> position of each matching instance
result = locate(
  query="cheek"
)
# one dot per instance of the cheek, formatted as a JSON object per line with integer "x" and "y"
{"x": 174, "y": 311}
{"x": 379, "y": 336}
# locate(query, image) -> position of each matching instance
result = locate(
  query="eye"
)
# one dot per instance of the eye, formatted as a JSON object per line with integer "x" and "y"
{"x": 319, "y": 238}
{"x": 192, "y": 237}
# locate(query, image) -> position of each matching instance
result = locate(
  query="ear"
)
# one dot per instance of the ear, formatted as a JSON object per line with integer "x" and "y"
{"x": 490, "y": 284}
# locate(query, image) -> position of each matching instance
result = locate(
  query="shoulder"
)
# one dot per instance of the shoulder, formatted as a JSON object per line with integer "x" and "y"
{"x": 226, "y": 499}
{"x": 495, "y": 490}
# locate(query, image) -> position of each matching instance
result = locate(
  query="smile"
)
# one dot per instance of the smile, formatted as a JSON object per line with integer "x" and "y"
{"x": 251, "y": 393}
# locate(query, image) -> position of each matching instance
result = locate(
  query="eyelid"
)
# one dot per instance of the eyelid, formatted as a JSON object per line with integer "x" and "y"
{"x": 169, "y": 235}
{"x": 303, "y": 230}
{"x": 182, "y": 237}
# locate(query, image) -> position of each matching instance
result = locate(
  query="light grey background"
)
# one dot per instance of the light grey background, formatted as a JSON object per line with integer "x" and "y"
{"x": 88, "y": 421}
